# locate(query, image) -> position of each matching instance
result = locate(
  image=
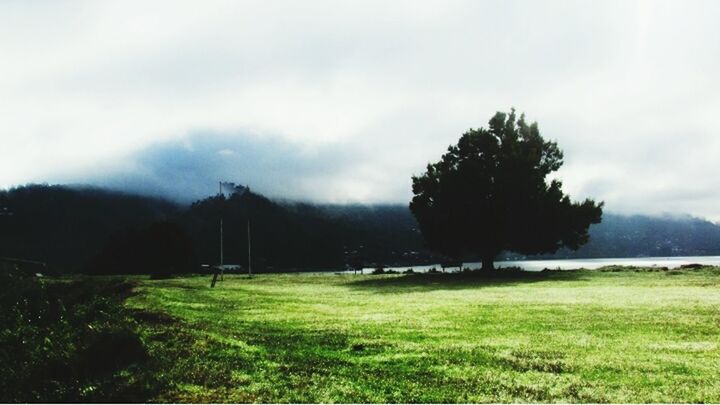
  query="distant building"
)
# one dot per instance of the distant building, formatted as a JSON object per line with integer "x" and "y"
{"x": 228, "y": 189}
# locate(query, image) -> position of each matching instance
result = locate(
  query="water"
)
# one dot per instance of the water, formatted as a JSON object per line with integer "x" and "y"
{"x": 568, "y": 264}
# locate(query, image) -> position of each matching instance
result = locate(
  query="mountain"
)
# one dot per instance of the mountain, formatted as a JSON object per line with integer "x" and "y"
{"x": 280, "y": 238}
{"x": 67, "y": 227}
{"x": 641, "y": 235}
{"x": 76, "y": 229}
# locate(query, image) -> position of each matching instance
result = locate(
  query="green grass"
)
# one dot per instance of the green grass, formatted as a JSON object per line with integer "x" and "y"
{"x": 581, "y": 336}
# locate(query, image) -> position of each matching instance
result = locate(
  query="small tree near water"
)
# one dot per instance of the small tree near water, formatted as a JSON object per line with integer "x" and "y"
{"x": 489, "y": 193}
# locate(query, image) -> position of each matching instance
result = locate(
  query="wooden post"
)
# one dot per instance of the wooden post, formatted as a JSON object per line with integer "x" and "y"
{"x": 215, "y": 276}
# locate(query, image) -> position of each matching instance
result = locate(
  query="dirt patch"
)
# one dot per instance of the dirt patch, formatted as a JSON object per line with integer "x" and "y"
{"x": 153, "y": 318}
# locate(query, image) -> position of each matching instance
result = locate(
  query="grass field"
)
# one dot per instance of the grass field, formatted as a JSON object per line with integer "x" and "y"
{"x": 579, "y": 336}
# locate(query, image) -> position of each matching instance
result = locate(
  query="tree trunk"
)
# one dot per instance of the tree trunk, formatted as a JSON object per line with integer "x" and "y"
{"x": 488, "y": 263}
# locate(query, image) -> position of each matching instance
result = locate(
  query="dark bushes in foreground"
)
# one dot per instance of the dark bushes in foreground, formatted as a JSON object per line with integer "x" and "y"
{"x": 63, "y": 341}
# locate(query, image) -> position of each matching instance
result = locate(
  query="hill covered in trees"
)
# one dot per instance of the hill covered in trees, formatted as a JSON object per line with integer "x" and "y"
{"x": 99, "y": 231}
{"x": 68, "y": 227}
{"x": 641, "y": 235}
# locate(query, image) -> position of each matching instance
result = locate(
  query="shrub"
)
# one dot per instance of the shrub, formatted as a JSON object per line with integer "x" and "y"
{"x": 67, "y": 341}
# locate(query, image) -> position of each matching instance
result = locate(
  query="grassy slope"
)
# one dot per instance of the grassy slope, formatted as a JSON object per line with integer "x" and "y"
{"x": 572, "y": 336}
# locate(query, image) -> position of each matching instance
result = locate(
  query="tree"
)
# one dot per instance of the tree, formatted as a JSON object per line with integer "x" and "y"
{"x": 489, "y": 193}
{"x": 161, "y": 249}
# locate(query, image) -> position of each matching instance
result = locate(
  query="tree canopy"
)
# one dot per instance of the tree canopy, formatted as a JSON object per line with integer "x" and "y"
{"x": 489, "y": 194}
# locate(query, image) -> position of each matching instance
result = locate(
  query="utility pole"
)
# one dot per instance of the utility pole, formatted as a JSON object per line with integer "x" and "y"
{"x": 222, "y": 269}
{"x": 249, "y": 268}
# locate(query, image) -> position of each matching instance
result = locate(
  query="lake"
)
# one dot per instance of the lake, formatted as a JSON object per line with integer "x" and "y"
{"x": 568, "y": 264}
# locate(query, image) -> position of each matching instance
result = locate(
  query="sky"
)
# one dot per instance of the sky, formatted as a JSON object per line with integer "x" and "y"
{"x": 343, "y": 102}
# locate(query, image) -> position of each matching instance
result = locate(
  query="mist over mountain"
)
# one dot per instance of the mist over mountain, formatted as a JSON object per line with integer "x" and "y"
{"x": 188, "y": 169}
{"x": 78, "y": 229}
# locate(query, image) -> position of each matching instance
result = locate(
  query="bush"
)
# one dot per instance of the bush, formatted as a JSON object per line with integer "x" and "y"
{"x": 117, "y": 347}
{"x": 68, "y": 341}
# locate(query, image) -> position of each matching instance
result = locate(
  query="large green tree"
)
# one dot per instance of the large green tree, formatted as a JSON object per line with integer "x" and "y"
{"x": 489, "y": 193}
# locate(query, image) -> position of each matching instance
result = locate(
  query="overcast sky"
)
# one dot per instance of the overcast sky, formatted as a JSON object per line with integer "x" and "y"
{"x": 343, "y": 101}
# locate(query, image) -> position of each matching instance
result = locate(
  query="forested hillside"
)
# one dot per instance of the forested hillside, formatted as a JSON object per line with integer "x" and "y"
{"x": 68, "y": 227}
{"x": 640, "y": 235}
{"x": 99, "y": 231}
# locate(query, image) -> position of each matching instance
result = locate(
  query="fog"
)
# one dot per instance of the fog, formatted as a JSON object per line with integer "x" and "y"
{"x": 343, "y": 102}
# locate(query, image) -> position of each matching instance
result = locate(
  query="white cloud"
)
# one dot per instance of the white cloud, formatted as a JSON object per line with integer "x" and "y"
{"x": 629, "y": 89}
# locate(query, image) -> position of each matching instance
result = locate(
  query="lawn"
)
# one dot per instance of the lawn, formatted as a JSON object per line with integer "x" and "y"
{"x": 619, "y": 335}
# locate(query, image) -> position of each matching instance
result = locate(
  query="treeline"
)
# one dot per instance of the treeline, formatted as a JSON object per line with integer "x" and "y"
{"x": 69, "y": 227}
{"x": 86, "y": 230}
